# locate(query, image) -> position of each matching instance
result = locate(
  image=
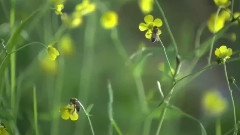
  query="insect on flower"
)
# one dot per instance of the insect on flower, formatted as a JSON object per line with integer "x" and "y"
{"x": 155, "y": 36}
{"x": 76, "y": 103}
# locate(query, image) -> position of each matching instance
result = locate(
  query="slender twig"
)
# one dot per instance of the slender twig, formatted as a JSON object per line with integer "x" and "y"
{"x": 232, "y": 99}
{"x": 170, "y": 67}
{"x": 218, "y": 126}
{"x": 214, "y": 36}
{"x": 35, "y": 110}
{"x": 168, "y": 27}
{"x": 110, "y": 112}
{"x": 232, "y": 3}
{"x": 89, "y": 120}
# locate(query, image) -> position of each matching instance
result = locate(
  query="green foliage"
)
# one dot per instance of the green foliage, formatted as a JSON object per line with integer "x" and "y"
{"x": 131, "y": 82}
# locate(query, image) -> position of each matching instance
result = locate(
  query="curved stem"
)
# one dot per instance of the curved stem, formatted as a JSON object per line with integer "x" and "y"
{"x": 89, "y": 120}
{"x": 233, "y": 103}
{"x": 214, "y": 36}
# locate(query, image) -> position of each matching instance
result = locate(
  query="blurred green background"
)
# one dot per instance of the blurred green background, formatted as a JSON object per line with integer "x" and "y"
{"x": 100, "y": 56}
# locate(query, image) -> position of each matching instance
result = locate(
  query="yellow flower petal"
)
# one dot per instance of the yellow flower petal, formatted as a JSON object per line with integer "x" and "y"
{"x": 58, "y": 9}
{"x": 85, "y": 7}
{"x": 157, "y": 22}
{"x": 229, "y": 52}
{"x": 222, "y": 3}
{"x": 53, "y": 52}
{"x": 223, "y": 52}
{"x": 215, "y": 26}
{"x": 225, "y": 14}
{"x": 74, "y": 116}
{"x": 143, "y": 26}
{"x": 148, "y": 34}
{"x": 3, "y": 131}
{"x": 148, "y": 19}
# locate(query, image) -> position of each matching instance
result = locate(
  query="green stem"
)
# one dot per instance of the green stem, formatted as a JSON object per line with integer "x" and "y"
{"x": 232, "y": 4}
{"x": 170, "y": 67}
{"x": 12, "y": 57}
{"x": 13, "y": 78}
{"x": 233, "y": 103}
{"x": 168, "y": 27}
{"x": 89, "y": 120}
{"x": 214, "y": 36}
{"x": 12, "y": 13}
{"x": 116, "y": 127}
{"x": 110, "y": 109}
{"x": 35, "y": 113}
{"x": 118, "y": 45}
{"x": 141, "y": 94}
{"x": 218, "y": 126}
{"x": 164, "y": 111}
{"x": 147, "y": 126}
{"x": 110, "y": 112}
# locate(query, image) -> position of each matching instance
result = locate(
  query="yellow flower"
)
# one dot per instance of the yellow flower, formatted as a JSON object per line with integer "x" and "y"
{"x": 223, "y": 52}
{"x": 216, "y": 24}
{"x": 236, "y": 14}
{"x": 222, "y": 3}
{"x": 49, "y": 66}
{"x": 59, "y": 8}
{"x": 214, "y": 103}
{"x": 150, "y": 22}
{"x": 72, "y": 21}
{"x": 66, "y": 45}
{"x": 52, "y": 52}
{"x": 69, "y": 112}
{"x": 236, "y": 17}
{"x": 146, "y": 6}
{"x": 109, "y": 19}
{"x": 225, "y": 14}
{"x": 85, "y": 7}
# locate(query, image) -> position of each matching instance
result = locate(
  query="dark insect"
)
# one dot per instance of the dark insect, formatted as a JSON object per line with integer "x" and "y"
{"x": 76, "y": 103}
{"x": 155, "y": 36}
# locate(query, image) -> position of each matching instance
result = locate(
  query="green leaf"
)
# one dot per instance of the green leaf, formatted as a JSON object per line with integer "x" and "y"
{"x": 14, "y": 38}
{"x": 89, "y": 108}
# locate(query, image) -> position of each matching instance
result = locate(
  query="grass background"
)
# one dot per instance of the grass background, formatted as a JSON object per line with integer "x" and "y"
{"x": 102, "y": 56}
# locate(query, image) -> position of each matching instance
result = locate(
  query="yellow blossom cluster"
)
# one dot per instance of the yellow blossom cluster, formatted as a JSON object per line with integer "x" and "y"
{"x": 75, "y": 19}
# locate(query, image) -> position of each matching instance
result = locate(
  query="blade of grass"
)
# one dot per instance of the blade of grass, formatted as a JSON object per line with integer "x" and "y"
{"x": 13, "y": 40}
{"x": 35, "y": 112}
{"x": 89, "y": 120}
{"x": 110, "y": 112}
